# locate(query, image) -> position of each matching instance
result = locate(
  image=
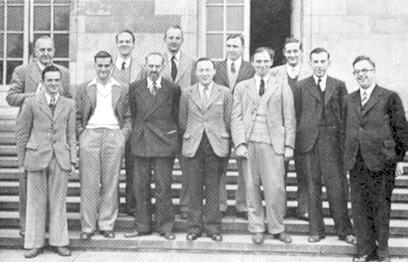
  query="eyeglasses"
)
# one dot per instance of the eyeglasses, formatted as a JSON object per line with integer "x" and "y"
{"x": 364, "y": 71}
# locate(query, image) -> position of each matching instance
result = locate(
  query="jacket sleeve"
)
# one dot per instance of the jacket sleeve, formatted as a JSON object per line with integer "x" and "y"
{"x": 228, "y": 110}
{"x": 398, "y": 124}
{"x": 237, "y": 117}
{"x": 24, "y": 124}
{"x": 16, "y": 95}
{"x": 71, "y": 134}
{"x": 127, "y": 126}
{"x": 79, "y": 110}
{"x": 183, "y": 112}
{"x": 289, "y": 117}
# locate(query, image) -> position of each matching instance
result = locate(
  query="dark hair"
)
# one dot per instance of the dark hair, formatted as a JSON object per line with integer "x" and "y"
{"x": 261, "y": 49}
{"x": 201, "y": 59}
{"x": 240, "y": 36}
{"x": 50, "y": 68}
{"x": 362, "y": 58}
{"x": 103, "y": 54}
{"x": 173, "y": 27}
{"x": 154, "y": 53}
{"x": 290, "y": 40}
{"x": 319, "y": 50}
{"x": 125, "y": 31}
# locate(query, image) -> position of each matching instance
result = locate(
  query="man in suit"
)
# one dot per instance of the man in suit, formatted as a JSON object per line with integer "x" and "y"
{"x": 154, "y": 103}
{"x": 319, "y": 141}
{"x": 205, "y": 113}
{"x": 127, "y": 70}
{"x": 228, "y": 73}
{"x": 46, "y": 142}
{"x": 26, "y": 82}
{"x": 291, "y": 72}
{"x": 263, "y": 131}
{"x": 376, "y": 138}
{"x": 178, "y": 67}
{"x": 103, "y": 125}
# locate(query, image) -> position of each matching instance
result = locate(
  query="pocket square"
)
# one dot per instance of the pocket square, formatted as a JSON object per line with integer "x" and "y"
{"x": 171, "y": 132}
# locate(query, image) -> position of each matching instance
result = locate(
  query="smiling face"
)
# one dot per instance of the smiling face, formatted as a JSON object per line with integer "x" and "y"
{"x": 125, "y": 44}
{"x": 103, "y": 67}
{"x": 262, "y": 63}
{"x": 320, "y": 63}
{"x": 52, "y": 82}
{"x": 205, "y": 72}
{"x": 234, "y": 48}
{"x": 154, "y": 66}
{"x": 364, "y": 72}
{"x": 44, "y": 50}
{"x": 173, "y": 39}
{"x": 292, "y": 53}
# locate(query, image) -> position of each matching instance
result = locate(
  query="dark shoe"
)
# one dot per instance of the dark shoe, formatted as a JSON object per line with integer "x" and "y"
{"x": 223, "y": 213}
{"x": 283, "y": 237}
{"x": 192, "y": 236}
{"x": 108, "y": 234}
{"x": 30, "y": 253}
{"x": 360, "y": 258}
{"x": 168, "y": 235}
{"x": 315, "y": 238}
{"x": 130, "y": 212}
{"x": 136, "y": 233}
{"x": 216, "y": 237}
{"x": 349, "y": 239}
{"x": 63, "y": 251}
{"x": 258, "y": 238}
{"x": 243, "y": 215}
{"x": 85, "y": 236}
{"x": 304, "y": 216}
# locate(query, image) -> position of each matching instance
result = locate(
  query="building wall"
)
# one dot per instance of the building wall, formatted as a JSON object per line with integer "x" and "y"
{"x": 348, "y": 28}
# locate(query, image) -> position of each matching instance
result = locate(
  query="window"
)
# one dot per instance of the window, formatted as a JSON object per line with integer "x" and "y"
{"x": 23, "y": 21}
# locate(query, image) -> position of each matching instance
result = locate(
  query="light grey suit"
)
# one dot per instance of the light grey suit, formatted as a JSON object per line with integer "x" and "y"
{"x": 267, "y": 167}
{"x": 46, "y": 145}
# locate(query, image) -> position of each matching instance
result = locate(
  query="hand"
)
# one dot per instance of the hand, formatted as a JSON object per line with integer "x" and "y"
{"x": 399, "y": 170}
{"x": 241, "y": 151}
{"x": 288, "y": 153}
{"x": 72, "y": 169}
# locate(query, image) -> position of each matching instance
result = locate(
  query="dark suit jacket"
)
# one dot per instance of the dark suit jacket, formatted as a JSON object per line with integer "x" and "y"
{"x": 309, "y": 106}
{"x": 246, "y": 71}
{"x": 380, "y": 129}
{"x": 40, "y": 134}
{"x": 155, "y": 129}
{"x": 85, "y": 100}
{"x": 25, "y": 80}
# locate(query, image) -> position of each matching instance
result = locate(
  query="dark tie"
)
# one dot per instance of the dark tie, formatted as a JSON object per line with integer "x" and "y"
{"x": 123, "y": 65}
{"x": 233, "y": 69}
{"x": 204, "y": 99}
{"x": 173, "y": 68}
{"x": 52, "y": 104}
{"x": 154, "y": 88}
{"x": 262, "y": 87}
{"x": 319, "y": 83}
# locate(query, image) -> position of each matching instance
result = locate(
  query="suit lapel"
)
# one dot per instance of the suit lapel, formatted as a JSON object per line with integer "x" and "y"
{"x": 166, "y": 73}
{"x": 116, "y": 90}
{"x": 59, "y": 107}
{"x": 252, "y": 90}
{"x": 243, "y": 71}
{"x": 196, "y": 97}
{"x": 182, "y": 66}
{"x": 44, "y": 107}
{"x": 155, "y": 102}
{"x": 330, "y": 88}
{"x": 213, "y": 96}
{"x": 374, "y": 98}
{"x": 142, "y": 92}
{"x": 35, "y": 75}
{"x": 91, "y": 91}
{"x": 224, "y": 73}
{"x": 271, "y": 86}
{"x": 311, "y": 87}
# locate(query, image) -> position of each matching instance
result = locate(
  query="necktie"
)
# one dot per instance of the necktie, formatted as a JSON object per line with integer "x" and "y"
{"x": 154, "y": 88}
{"x": 123, "y": 65}
{"x": 204, "y": 99}
{"x": 319, "y": 84}
{"x": 233, "y": 69}
{"x": 364, "y": 98}
{"x": 262, "y": 88}
{"x": 173, "y": 68}
{"x": 52, "y": 104}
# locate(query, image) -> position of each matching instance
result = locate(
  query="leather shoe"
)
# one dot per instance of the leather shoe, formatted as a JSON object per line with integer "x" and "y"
{"x": 136, "y": 233}
{"x": 168, "y": 235}
{"x": 108, "y": 234}
{"x": 63, "y": 251}
{"x": 85, "y": 236}
{"x": 192, "y": 236}
{"x": 258, "y": 238}
{"x": 360, "y": 258}
{"x": 30, "y": 253}
{"x": 315, "y": 238}
{"x": 304, "y": 216}
{"x": 283, "y": 237}
{"x": 216, "y": 237}
{"x": 349, "y": 239}
{"x": 243, "y": 215}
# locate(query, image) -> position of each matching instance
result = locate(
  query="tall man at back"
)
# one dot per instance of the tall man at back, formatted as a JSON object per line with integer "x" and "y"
{"x": 26, "y": 82}
{"x": 228, "y": 73}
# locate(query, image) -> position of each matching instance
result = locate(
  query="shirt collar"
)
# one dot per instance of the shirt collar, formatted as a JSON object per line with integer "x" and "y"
{"x": 237, "y": 63}
{"x": 368, "y": 90}
{"x": 41, "y": 66}
{"x": 150, "y": 83}
{"x": 120, "y": 60}
{"x": 177, "y": 56}
{"x": 48, "y": 98}
{"x": 112, "y": 81}
{"x": 323, "y": 78}
{"x": 293, "y": 71}
{"x": 201, "y": 87}
{"x": 258, "y": 79}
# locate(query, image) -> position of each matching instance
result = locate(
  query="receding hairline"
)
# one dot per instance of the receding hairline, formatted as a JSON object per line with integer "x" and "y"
{"x": 44, "y": 38}
{"x": 176, "y": 27}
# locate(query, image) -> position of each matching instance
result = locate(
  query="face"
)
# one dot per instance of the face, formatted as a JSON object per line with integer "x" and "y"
{"x": 125, "y": 44}
{"x": 154, "y": 66}
{"x": 234, "y": 48}
{"x": 52, "y": 82}
{"x": 173, "y": 39}
{"x": 319, "y": 63}
{"x": 364, "y": 73}
{"x": 103, "y": 67}
{"x": 262, "y": 63}
{"x": 292, "y": 53}
{"x": 205, "y": 72}
{"x": 44, "y": 51}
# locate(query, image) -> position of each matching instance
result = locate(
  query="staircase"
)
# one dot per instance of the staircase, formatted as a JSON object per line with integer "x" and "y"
{"x": 236, "y": 237}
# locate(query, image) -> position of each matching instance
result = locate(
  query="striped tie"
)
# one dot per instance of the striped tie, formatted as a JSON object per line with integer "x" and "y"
{"x": 364, "y": 98}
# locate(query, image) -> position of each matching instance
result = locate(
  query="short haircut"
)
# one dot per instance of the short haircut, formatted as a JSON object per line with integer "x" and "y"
{"x": 290, "y": 40}
{"x": 363, "y": 58}
{"x": 152, "y": 54}
{"x": 173, "y": 27}
{"x": 43, "y": 37}
{"x": 125, "y": 31}
{"x": 240, "y": 36}
{"x": 50, "y": 68}
{"x": 261, "y": 49}
{"x": 319, "y": 50}
{"x": 201, "y": 59}
{"x": 103, "y": 54}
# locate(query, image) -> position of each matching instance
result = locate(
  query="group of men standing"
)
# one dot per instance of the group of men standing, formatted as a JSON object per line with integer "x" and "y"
{"x": 195, "y": 110}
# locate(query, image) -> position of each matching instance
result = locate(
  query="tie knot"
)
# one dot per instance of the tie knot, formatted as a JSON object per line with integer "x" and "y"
{"x": 319, "y": 81}
{"x": 52, "y": 101}
{"x": 173, "y": 58}
{"x": 123, "y": 65}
